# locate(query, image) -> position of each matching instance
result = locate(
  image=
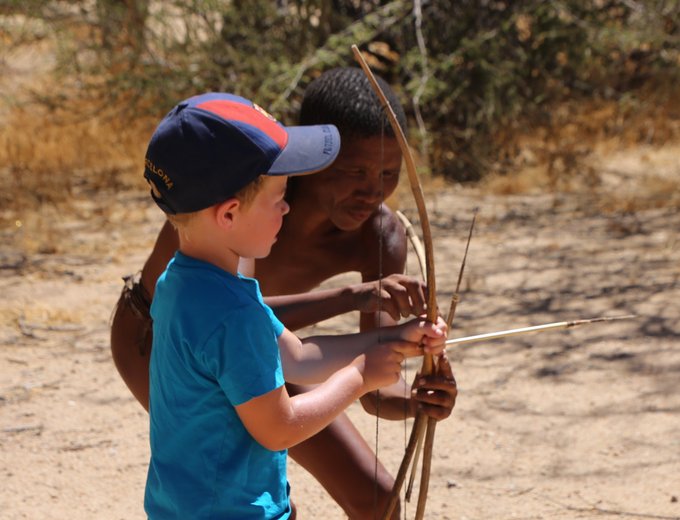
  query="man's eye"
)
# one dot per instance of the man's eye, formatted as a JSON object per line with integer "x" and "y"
{"x": 390, "y": 173}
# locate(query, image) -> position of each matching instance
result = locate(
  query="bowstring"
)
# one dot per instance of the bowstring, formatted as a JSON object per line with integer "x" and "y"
{"x": 380, "y": 309}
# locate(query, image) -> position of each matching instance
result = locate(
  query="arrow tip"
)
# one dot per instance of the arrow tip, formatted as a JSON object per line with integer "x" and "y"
{"x": 601, "y": 319}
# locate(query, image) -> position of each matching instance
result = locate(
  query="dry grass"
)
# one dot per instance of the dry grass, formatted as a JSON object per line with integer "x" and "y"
{"x": 49, "y": 152}
{"x": 54, "y": 158}
{"x": 624, "y": 159}
{"x": 55, "y": 141}
{"x": 53, "y": 155}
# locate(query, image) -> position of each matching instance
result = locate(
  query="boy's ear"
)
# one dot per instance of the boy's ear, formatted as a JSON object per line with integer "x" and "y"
{"x": 225, "y": 212}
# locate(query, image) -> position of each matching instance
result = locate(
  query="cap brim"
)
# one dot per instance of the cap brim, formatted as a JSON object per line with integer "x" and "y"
{"x": 309, "y": 149}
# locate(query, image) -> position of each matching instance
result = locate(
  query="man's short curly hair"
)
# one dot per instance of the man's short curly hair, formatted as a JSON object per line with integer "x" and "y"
{"x": 343, "y": 97}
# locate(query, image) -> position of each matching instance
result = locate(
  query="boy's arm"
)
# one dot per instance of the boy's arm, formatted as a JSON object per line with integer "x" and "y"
{"x": 313, "y": 359}
{"x": 278, "y": 421}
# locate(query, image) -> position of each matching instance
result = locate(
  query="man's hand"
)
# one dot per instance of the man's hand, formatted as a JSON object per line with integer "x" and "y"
{"x": 435, "y": 394}
{"x": 397, "y": 294}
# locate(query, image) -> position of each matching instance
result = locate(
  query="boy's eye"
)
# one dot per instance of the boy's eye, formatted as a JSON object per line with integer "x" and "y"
{"x": 388, "y": 174}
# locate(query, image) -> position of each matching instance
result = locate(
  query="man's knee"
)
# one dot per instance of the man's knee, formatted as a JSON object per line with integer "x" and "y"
{"x": 373, "y": 504}
{"x": 130, "y": 348}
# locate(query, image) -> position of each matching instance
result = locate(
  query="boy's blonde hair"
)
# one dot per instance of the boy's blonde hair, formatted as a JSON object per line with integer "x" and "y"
{"x": 245, "y": 195}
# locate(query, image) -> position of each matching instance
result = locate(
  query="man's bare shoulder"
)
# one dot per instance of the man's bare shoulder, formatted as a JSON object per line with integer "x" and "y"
{"x": 383, "y": 222}
{"x": 383, "y": 227}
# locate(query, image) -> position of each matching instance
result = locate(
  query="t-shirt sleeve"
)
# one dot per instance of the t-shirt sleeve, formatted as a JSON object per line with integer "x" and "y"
{"x": 276, "y": 323}
{"x": 278, "y": 326}
{"x": 243, "y": 354}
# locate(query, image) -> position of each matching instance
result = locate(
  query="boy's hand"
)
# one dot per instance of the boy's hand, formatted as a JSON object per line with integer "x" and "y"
{"x": 435, "y": 394}
{"x": 430, "y": 336}
{"x": 398, "y": 295}
{"x": 380, "y": 365}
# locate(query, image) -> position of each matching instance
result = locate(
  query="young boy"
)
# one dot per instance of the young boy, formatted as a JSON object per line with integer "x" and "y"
{"x": 336, "y": 224}
{"x": 220, "y": 416}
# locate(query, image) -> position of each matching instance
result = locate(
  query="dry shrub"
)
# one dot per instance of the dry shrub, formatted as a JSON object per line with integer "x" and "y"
{"x": 570, "y": 152}
{"x": 50, "y": 152}
{"x": 53, "y": 158}
{"x": 654, "y": 192}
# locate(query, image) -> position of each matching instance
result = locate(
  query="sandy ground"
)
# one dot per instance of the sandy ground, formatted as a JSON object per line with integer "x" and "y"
{"x": 583, "y": 423}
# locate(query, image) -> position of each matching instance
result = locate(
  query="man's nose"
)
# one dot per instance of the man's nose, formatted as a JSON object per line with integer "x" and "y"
{"x": 372, "y": 189}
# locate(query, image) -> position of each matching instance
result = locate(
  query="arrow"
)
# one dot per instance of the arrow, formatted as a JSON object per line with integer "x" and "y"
{"x": 536, "y": 328}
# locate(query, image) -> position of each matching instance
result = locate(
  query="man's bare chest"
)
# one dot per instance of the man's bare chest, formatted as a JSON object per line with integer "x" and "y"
{"x": 293, "y": 270}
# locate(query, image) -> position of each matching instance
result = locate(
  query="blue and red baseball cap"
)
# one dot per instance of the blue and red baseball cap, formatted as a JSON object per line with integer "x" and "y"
{"x": 210, "y": 146}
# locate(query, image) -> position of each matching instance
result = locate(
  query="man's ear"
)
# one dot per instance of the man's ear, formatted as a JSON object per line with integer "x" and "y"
{"x": 226, "y": 212}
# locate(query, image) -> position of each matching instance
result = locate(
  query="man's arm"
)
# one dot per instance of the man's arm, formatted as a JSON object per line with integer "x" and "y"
{"x": 396, "y": 295}
{"x": 434, "y": 394}
{"x": 393, "y": 402}
{"x": 385, "y": 230}
{"x": 167, "y": 242}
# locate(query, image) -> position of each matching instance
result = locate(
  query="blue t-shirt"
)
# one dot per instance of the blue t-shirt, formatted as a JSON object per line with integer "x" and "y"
{"x": 214, "y": 347}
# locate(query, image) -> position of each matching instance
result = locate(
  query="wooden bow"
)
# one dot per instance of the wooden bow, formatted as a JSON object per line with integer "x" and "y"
{"x": 422, "y": 424}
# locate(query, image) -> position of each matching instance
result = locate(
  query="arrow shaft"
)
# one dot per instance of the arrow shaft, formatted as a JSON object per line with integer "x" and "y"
{"x": 504, "y": 333}
{"x": 526, "y": 330}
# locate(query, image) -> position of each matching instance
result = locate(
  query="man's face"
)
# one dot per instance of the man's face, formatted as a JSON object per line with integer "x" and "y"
{"x": 365, "y": 173}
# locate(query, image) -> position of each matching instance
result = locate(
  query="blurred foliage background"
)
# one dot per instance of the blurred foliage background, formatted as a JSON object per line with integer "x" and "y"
{"x": 489, "y": 85}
